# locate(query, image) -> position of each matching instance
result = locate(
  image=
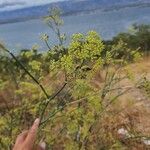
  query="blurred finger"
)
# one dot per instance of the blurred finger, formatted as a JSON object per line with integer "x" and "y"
{"x": 30, "y": 139}
{"x": 41, "y": 146}
{"x": 21, "y": 137}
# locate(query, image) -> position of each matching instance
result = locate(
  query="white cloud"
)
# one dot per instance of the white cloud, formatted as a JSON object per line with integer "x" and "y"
{"x": 15, "y": 4}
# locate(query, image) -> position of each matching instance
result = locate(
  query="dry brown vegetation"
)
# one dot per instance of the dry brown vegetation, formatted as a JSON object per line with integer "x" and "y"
{"x": 133, "y": 109}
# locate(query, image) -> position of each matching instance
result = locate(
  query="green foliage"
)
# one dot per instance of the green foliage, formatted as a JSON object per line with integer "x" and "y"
{"x": 81, "y": 51}
{"x": 145, "y": 85}
{"x": 138, "y": 37}
{"x": 70, "y": 115}
{"x": 54, "y": 21}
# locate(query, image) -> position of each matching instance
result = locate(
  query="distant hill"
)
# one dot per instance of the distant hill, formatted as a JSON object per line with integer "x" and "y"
{"x": 69, "y": 7}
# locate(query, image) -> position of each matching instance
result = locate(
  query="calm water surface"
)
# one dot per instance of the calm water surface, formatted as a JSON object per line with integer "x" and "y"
{"x": 26, "y": 34}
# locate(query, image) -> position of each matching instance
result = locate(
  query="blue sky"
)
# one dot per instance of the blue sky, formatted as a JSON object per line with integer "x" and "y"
{"x": 15, "y": 4}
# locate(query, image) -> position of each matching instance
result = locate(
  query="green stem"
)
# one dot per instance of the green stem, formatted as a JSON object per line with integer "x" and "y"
{"x": 50, "y": 99}
{"x": 22, "y": 66}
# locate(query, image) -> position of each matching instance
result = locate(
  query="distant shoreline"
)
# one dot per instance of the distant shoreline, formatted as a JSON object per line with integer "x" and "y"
{"x": 113, "y": 8}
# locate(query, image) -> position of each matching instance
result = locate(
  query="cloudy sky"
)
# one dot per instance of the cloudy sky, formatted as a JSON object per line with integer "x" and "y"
{"x": 15, "y": 4}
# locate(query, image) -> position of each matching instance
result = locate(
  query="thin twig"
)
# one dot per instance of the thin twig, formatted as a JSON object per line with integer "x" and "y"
{"x": 50, "y": 99}
{"x": 22, "y": 66}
